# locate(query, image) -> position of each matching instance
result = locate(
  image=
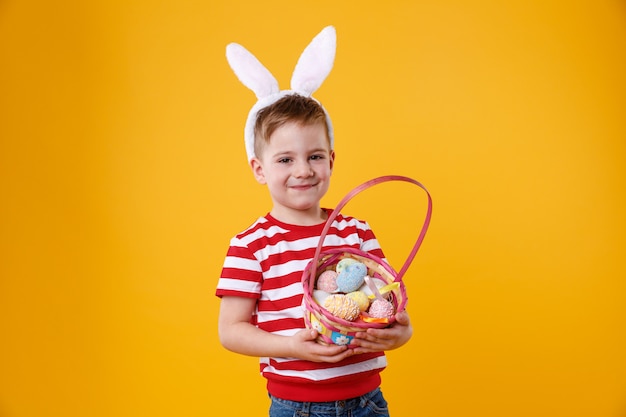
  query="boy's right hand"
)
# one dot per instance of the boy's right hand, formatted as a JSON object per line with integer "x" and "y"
{"x": 304, "y": 346}
{"x": 238, "y": 334}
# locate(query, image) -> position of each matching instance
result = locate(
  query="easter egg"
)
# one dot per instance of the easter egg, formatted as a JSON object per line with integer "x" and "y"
{"x": 352, "y": 277}
{"x": 382, "y": 309}
{"x": 342, "y": 264}
{"x": 327, "y": 281}
{"x": 342, "y": 306}
{"x": 361, "y": 299}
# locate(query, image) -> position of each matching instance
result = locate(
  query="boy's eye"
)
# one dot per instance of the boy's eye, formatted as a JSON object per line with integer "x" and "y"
{"x": 284, "y": 160}
{"x": 317, "y": 157}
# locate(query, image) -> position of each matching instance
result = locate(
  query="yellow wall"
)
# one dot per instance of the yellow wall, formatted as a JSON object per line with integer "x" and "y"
{"x": 123, "y": 175}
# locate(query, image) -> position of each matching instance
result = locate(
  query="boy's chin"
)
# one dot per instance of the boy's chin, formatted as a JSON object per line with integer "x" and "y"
{"x": 301, "y": 211}
{"x": 304, "y": 209}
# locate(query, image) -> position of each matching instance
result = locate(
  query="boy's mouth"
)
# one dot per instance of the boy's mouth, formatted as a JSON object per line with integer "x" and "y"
{"x": 302, "y": 186}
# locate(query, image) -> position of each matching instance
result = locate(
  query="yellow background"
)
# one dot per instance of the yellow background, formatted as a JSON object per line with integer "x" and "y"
{"x": 123, "y": 175}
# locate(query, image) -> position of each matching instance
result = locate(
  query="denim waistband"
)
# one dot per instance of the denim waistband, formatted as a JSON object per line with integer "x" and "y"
{"x": 325, "y": 406}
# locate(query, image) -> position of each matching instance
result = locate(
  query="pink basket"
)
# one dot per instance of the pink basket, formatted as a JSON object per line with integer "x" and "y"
{"x": 334, "y": 330}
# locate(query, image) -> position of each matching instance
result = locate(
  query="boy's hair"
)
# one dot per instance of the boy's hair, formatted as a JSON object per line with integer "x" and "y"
{"x": 290, "y": 108}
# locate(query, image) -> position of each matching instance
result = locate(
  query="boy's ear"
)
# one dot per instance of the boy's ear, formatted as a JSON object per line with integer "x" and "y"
{"x": 257, "y": 170}
{"x": 332, "y": 160}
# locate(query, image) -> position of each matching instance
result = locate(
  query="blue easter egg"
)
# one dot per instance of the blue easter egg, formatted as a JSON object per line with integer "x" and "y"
{"x": 352, "y": 277}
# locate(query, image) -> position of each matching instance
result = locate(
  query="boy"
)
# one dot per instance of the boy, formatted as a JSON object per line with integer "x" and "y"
{"x": 260, "y": 286}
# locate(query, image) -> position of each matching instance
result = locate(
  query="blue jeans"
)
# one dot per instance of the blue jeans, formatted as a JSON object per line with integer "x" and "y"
{"x": 371, "y": 404}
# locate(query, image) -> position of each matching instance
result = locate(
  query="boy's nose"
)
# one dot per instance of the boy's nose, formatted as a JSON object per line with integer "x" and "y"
{"x": 303, "y": 169}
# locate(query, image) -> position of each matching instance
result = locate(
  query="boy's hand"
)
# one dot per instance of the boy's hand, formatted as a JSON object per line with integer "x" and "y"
{"x": 304, "y": 346}
{"x": 376, "y": 340}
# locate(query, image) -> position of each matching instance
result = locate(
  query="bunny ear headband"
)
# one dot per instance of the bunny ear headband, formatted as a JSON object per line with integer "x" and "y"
{"x": 312, "y": 68}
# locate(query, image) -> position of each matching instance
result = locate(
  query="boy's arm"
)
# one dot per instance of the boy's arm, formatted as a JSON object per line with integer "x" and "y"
{"x": 238, "y": 335}
{"x": 376, "y": 340}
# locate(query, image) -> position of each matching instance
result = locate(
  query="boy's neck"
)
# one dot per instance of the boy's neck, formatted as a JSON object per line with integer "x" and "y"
{"x": 309, "y": 217}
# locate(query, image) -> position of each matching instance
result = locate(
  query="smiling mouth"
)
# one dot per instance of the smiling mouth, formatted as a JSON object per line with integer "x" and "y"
{"x": 302, "y": 186}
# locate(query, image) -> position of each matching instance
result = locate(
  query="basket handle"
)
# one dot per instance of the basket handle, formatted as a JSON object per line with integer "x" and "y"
{"x": 362, "y": 187}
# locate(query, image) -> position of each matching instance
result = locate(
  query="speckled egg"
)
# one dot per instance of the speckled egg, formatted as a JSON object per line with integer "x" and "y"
{"x": 352, "y": 277}
{"x": 342, "y": 306}
{"x": 381, "y": 309}
{"x": 327, "y": 281}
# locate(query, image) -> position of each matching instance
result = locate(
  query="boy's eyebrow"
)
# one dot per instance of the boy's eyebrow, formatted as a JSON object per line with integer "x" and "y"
{"x": 282, "y": 153}
{"x": 320, "y": 150}
{"x": 290, "y": 153}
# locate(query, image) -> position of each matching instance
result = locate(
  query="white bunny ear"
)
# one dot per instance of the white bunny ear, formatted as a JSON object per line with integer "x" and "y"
{"x": 250, "y": 71}
{"x": 315, "y": 63}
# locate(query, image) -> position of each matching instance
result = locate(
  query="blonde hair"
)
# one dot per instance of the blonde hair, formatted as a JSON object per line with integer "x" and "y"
{"x": 291, "y": 108}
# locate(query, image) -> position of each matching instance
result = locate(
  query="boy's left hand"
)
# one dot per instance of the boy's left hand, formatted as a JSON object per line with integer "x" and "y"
{"x": 376, "y": 340}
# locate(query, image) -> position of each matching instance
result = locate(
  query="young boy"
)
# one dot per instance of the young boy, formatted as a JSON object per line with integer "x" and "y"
{"x": 260, "y": 286}
{"x": 289, "y": 142}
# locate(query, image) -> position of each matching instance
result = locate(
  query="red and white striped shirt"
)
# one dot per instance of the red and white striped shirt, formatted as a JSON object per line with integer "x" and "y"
{"x": 266, "y": 262}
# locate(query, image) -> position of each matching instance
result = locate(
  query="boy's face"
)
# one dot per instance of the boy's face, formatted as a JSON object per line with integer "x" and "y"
{"x": 296, "y": 165}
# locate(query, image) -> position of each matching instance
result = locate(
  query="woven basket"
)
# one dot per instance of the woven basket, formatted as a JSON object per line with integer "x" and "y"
{"x": 334, "y": 330}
